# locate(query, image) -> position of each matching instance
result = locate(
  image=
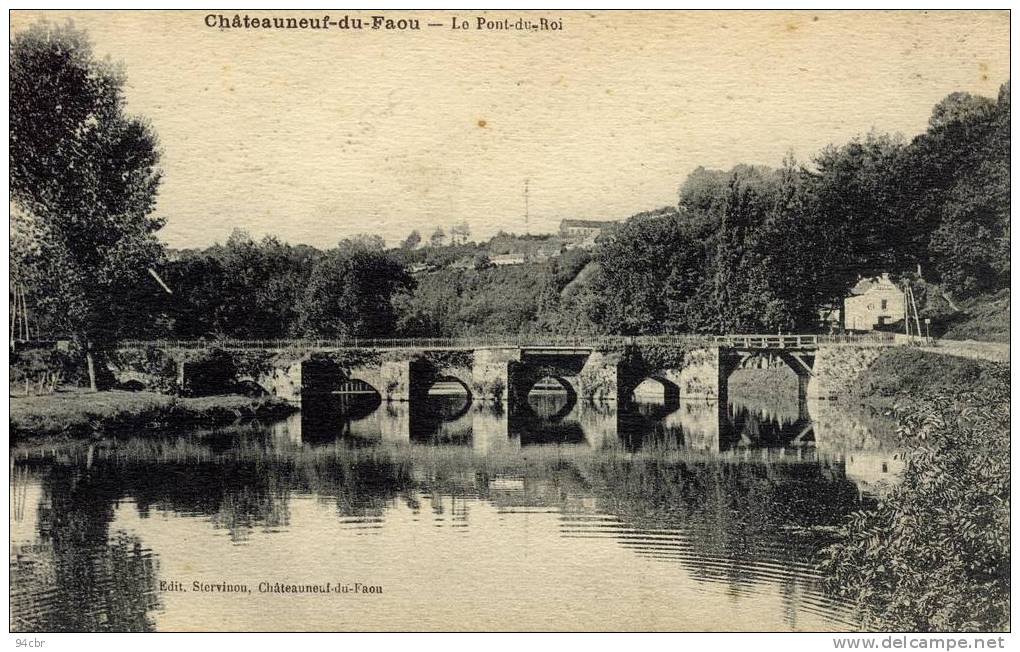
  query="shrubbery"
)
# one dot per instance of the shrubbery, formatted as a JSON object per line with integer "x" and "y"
{"x": 934, "y": 554}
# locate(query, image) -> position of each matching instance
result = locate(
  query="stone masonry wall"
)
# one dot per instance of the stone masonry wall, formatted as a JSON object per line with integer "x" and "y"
{"x": 838, "y": 368}
{"x": 699, "y": 377}
{"x": 490, "y": 373}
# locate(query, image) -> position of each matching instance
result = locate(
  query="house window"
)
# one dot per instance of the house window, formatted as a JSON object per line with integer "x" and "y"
{"x": 885, "y": 304}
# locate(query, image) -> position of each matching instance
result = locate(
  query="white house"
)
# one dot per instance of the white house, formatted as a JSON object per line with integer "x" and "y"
{"x": 508, "y": 259}
{"x": 874, "y": 302}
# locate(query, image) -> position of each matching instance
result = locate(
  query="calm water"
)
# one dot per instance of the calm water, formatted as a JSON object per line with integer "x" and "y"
{"x": 449, "y": 516}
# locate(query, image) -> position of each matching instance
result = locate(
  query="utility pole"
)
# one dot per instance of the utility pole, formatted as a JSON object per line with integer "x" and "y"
{"x": 526, "y": 206}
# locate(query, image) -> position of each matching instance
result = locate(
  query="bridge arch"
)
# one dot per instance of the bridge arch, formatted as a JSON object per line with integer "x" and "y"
{"x": 324, "y": 376}
{"x": 655, "y": 388}
{"x": 250, "y": 386}
{"x": 547, "y": 387}
{"x": 455, "y": 391}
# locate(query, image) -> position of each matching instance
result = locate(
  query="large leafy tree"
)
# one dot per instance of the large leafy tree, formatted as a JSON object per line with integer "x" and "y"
{"x": 958, "y": 188}
{"x": 647, "y": 272}
{"x": 351, "y": 290}
{"x": 242, "y": 288}
{"x": 84, "y": 177}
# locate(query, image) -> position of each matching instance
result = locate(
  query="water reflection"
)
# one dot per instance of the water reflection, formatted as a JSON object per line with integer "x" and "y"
{"x": 569, "y": 503}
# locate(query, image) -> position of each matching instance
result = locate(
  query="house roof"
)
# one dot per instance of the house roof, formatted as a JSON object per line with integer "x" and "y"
{"x": 866, "y": 285}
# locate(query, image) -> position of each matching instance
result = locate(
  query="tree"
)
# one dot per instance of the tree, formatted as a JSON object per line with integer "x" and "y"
{"x": 859, "y": 194}
{"x": 481, "y": 261}
{"x": 648, "y": 272}
{"x": 958, "y": 186}
{"x": 438, "y": 237}
{"x": 85, "y": 177}
{"x": 350, "y": 293}
{"x": 412, "y": 240}
{"x": 367, "y": 241}
{"x": 459, "y": 233}
{"x": 241, "y": 289}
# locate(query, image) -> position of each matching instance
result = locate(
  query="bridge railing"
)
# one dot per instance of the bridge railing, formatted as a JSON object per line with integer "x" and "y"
{"x": 472, "y": 342}
{"x": 793, "y": 341}
{"x": 860, "y": 339}
{"x": 768, "y": 341}
{"x": 760, "y": 341}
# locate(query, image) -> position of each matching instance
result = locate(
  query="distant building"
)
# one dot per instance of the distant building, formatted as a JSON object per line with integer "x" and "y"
{"x": 545, "y": 252}
{"x": 874, "y": 303}
{"x": 584, "y": 229}
{"x": 508, "y": 259}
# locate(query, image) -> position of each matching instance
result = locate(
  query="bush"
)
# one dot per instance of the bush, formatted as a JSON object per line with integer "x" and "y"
{"x": 48, "y": 366}
{"x": 934, "y": 554}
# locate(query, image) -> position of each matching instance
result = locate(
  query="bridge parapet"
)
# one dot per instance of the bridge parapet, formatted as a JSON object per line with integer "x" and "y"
{"x": 524, "y": 341}
{"x": 803, "y": 342}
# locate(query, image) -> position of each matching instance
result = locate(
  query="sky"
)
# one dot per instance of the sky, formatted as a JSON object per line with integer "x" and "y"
{"x": 319, "y": 135}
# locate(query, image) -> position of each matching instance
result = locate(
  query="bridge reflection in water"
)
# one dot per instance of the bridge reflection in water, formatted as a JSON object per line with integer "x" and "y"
{"x": 783, "y": 429}
{"x": 584, "y": 502}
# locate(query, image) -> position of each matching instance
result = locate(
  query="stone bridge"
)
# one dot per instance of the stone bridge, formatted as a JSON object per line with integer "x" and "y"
{"x": 604, "y": 369}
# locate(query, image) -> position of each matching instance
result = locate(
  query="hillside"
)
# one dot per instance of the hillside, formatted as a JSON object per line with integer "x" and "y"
{"x": 984, "y": 318}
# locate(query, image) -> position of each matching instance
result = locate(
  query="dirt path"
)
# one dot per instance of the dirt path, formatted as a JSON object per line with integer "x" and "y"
{"x": 993, "y": 351}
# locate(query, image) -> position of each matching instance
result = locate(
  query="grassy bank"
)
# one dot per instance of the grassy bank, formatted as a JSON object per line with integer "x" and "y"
{"x": 984, "y": 318}
{"x": 82, "y": 414}
{"x": 904, "y": 373}
{"x": 934, "y": 554}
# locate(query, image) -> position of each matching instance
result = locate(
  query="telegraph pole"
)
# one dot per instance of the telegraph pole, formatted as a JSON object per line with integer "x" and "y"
{"x": 526, "y": 206}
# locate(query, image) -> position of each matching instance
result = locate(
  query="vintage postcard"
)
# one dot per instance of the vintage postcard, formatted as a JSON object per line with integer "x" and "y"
{"x": 342, "y": 320}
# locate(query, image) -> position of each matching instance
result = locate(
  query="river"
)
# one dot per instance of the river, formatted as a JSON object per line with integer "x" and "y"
{"x": 450, "y": 516}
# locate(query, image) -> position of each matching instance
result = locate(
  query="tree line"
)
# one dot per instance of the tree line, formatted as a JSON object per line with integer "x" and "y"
{"x": 756, "y": 248}
{"x": 748, "y": 249}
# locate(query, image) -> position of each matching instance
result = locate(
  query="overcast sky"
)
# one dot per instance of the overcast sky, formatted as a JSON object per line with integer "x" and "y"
{"x": 315, "y": 136}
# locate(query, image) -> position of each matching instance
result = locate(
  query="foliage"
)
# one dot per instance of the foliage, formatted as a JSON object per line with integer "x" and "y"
{"x": 595, "y": 385}
{"x": 508, "y": 299}
{"x": 652, "y": 357}
{"x": 902, "y": 371}
{"x": 79, "y": 414}
{"x": 758, "y": 249}
{"x": 725, "y": 262}
{"x": 934, "y": 555}
{"x": 985, "y": 317}
{"x": 412, "y": 240}
{"x": 493, "y": 387}
{"x": 350, "y": 293}
{"x": 83, "y": 177}
{"x": 47, "y": 364}
{"x": 648, "y": 272}
{"x": 152, "y": 361}
{"x": 240, "y": 289}
{"x": 446, "y": 359}
{"x": 959, "y": 187}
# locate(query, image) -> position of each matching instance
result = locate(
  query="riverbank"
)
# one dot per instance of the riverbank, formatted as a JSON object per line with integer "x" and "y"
{"x": 77, "y": 414}
{"x": 934, "y": 554}
{"x": 906, "y": 373}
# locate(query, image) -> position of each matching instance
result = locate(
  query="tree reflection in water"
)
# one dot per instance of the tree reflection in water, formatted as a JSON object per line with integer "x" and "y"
{"x": 668, "y": 493}
{"x": 78, "y": 576}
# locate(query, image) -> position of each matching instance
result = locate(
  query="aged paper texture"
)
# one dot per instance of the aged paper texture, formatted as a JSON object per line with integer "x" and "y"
{"x": 509, "y": 321}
